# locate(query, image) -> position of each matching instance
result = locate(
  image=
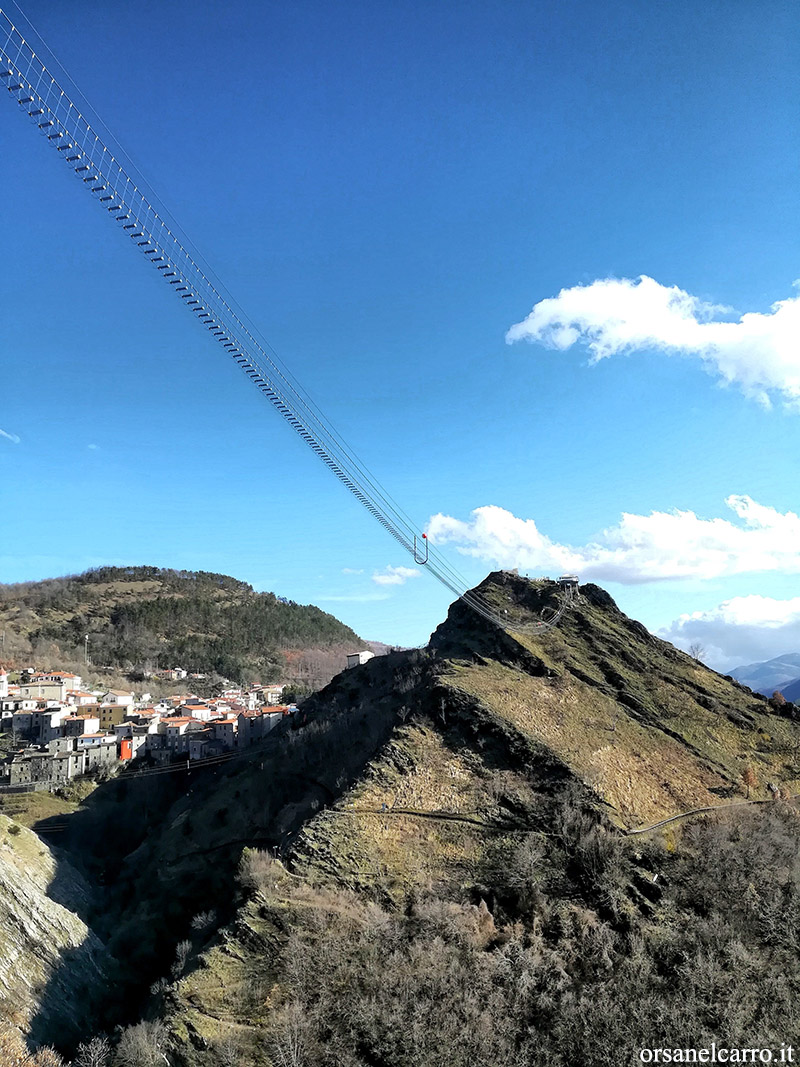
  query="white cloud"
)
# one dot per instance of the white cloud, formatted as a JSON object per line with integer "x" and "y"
{"x": 741, "y": 630}
{"x": 12, "y": 437}
{"x": 395, "y": 575}
{"x": 640, "y": 548}
{"x": 760, "y": 352}
{"x": 93, "y": 448}
{"x": 352, "y": 570}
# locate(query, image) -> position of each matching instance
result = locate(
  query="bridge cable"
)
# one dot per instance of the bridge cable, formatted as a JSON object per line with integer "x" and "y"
{"x": 142, "y": 218}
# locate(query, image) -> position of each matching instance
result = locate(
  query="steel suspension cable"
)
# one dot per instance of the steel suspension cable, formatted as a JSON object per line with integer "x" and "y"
{"x": 119, "y": 189}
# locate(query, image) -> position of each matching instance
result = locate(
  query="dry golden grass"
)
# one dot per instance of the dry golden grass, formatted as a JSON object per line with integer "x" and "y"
{"x": 395, "y": 848}
{"x": 14, "y": 1053}
{"x": 642, "y": 773}
{"x": 30, "y": 808}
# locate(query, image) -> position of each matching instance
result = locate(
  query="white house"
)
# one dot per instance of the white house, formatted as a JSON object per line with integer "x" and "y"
{"x": 75, "y": 725}
{"x": 196, "y": 709}
{"x": 15, "y": 703}
{"x": 73, "y": 680}
{"x": 79, "y": 697}
{"x": 50, "y": 723}
{"x": 117, "y": 696}
{"x": 44, "y": 689}
{"x": 28, "y": 720}
{"x": 92, "y": 740}
{"x": 355, "y": 659}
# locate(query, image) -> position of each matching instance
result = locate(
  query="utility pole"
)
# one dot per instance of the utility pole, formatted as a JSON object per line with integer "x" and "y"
{"x": 86, "y": 650}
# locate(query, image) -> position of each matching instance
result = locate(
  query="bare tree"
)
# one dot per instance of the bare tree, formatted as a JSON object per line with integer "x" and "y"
{"x": 143, "y": 1045}
{"x": 46, "y": 1057}
{"x": 290, "y": 1037}
{"x": 14, "y": 1053}
{"x": 228, "y": 1051}
{"x": 749, "y": 779}
{"x": 697, "y": 651}
{"x": 204, "y": 919}
{"x": 94, "y": 1053}
{"x": 182, "y": 951}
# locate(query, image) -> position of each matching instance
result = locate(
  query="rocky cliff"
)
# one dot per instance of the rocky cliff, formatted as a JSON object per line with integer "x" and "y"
{"x": 52, "y": 967}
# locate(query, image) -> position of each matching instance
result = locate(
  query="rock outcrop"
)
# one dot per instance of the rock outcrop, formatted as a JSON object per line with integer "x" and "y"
{"x": 51, "y": 964}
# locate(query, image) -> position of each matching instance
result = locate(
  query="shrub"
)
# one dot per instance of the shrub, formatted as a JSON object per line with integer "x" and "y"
{"x": 182, "y": 950}
{"x": 13, "y": 1052}
{"x": 143, "y": 1045}
{"x": 204, "y": 919}
{"x": 260, "y": 872}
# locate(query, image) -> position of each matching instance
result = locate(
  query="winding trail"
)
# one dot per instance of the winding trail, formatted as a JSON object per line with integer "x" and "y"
{"x": 705, "y": 810}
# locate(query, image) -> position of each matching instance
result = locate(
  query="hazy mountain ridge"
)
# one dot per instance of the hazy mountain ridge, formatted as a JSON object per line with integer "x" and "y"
{"x": 767, "y": 676}
{"x": 791, "y": 691}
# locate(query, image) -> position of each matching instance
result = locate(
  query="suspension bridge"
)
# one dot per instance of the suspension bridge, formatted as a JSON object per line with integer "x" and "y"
{"x": 59, "y": 113}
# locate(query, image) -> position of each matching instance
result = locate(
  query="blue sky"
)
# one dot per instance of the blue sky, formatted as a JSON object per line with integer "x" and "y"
{"x": 387, "y": 189}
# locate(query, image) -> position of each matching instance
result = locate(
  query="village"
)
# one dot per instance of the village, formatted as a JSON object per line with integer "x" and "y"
{"x": 59, "y": 731}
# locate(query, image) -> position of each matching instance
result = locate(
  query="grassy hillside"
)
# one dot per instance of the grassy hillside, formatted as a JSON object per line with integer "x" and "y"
{"x": 471, "y": 889}
{"x": 583, "y": 949}
{"x": 430, "y": 864}
{"x": 142, "y": 618}
{"x": 649, "y": 728}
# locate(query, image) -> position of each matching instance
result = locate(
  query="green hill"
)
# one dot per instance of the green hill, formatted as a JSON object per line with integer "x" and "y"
{"x": 145, "y": 618}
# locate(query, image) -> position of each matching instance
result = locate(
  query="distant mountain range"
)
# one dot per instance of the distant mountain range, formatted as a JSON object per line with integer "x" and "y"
{"x": 782, "y": 673}
{"x": 792, "y": 691}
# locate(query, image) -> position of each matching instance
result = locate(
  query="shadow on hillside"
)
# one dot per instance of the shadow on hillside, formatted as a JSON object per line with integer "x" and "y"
{"x": 66, "y": 1014}
{"x": 163, "y": 849}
